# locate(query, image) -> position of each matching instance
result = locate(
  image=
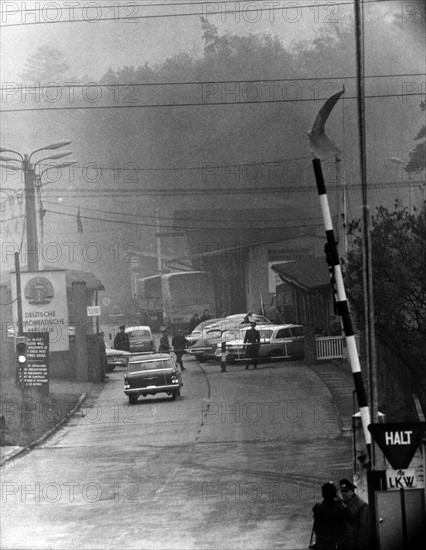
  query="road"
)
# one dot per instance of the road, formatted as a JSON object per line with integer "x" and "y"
{"x": 236, "y": 462}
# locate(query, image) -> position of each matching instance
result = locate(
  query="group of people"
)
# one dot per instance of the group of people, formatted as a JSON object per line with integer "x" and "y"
{"x": 341, "y": 522}
{"x": 196, "y": 319}
{"x": 179, "y": 344}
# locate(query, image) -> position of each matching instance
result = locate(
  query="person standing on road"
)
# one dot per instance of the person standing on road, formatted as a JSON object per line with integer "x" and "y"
{"x": 121, "y": 340}
{"x": 358, "y": 514}
{"x": 252, "y": 345}
{"x": 179, "y": 343}
{"x": 206, "y": 316}
{"x": 164, "y": 342}
{"x": 330, "y": 519}
{"x": 194, "y": 322}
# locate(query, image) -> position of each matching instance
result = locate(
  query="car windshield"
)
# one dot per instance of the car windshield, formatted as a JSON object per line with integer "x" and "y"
{"x": 266, "y": 332}
{"x": 297, "y": 331}
{"x": 137, "y": 334}
{"x": 150, "y": 365}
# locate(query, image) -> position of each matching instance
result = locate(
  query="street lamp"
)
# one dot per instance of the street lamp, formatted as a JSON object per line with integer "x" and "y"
{"x": 30, "y": 197}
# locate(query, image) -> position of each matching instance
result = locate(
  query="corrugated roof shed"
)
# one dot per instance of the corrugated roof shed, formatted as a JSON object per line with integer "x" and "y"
{"x": 307, "y": 272}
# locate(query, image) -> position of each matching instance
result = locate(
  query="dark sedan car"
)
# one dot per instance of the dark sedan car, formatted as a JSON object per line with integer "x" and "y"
{"x": 115, "y": 357}
{"x": 152, "y": 374}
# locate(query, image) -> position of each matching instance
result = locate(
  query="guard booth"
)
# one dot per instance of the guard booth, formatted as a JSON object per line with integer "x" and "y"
{"x": 399, "y": 491}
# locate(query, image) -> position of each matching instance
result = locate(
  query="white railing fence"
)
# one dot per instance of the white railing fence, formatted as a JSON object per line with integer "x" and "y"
{"x": 332, "y": 347}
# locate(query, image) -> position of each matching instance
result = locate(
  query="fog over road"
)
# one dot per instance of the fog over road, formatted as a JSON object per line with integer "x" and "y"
{"x": 236, "y": 462}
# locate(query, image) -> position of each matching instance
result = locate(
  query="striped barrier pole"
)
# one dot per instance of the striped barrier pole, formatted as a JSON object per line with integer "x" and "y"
{"x": 342, "y": 305}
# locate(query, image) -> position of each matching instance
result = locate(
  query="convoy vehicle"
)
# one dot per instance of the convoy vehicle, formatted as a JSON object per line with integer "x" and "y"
{"x": 206, "y": 348}
{"x": 140, "y": 339}
{"x": 276, "y": 341}
{"x": 172, "y": 298}
{"x": 149, "y": 374}
{"x": 200, "y": 331}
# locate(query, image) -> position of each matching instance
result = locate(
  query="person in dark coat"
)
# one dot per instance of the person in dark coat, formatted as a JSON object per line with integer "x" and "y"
{"x": 179, "y": 343}
{"x": 252, "y": 345}
{"x": 359, "y": 523}
{"x": 121, "y": 340}
{"x": 164, "y": 342}
{"x": 330, "y": 520}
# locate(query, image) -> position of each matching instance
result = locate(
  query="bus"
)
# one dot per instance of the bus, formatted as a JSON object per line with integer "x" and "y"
{"x": 173, "y": 298}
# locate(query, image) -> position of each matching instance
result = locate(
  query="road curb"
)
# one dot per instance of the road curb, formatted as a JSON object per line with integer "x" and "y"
{"x": 48, "y": 434}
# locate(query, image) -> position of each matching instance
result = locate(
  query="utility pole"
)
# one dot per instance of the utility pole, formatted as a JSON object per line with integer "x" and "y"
{"x": 18, "y": 293}
{"x": 30, "y": 191}
{"x": 158, "y": 239}
{"x": 30, "y": 216}
{"x": 368, "y": 271}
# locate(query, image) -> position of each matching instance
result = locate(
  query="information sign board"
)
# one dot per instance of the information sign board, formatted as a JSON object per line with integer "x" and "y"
{"x": 93, "y": 311}
{"x": 35, "y": 372}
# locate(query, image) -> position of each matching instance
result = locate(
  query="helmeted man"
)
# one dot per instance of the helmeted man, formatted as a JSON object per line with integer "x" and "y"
{"x": 252, "y": 345}
{"x": 121, "y": 340}
{"x": 179, "y": 343}
{"x": 358, "y": 517}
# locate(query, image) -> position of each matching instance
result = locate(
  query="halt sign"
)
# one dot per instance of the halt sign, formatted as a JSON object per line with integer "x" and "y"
{"x": 398, "y": 441}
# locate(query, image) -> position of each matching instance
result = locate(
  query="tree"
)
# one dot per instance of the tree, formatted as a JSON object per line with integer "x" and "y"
{"x": 398, "y": 241}
{"x": 45, "y": 65}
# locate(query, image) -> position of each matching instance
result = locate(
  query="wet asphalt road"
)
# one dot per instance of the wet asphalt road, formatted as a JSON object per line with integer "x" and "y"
{"x": 236, "y": 462}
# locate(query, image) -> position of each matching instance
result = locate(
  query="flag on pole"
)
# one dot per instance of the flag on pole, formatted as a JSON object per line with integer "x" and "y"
{"x": 79, "y": 224}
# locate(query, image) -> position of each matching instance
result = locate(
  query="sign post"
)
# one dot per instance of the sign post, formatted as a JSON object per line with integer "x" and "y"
{"x": 400, "y": 510}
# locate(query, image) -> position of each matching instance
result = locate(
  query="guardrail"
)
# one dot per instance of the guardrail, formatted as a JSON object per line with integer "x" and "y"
{"x": 332, "y": 347}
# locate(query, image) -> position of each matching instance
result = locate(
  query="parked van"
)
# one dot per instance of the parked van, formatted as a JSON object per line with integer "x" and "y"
{"x": 140, "y": 339}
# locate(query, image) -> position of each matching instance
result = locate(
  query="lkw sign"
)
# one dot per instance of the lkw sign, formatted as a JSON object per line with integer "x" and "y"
{"x": 401, "y": 479}
{"x": 398, "y": 441}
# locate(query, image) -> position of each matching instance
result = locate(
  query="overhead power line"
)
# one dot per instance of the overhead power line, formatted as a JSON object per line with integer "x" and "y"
{"x": 186, "y": 228}
{"x": 71, "y": 85}
{"x": 134, "y": 17}
{"x": 212, "y": 104}
{"x": 168, "y": 218}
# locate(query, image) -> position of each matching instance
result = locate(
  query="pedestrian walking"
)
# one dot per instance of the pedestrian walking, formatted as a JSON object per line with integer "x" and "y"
{"x": 205, "y": 316}
{"x": 194, "y": 322}
{"x": 329, "y": 520}
{"x": 121, "y": 340}
{"x": 179, "y": 343}
{"x": 164, "y": 346}
{"x": 358, "y": 516}
{"x": 252, "y": 345}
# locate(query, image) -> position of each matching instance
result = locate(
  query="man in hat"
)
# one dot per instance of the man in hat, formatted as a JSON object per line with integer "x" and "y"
{"x": 179, "y": 343}
{"x": 252, "y": 345}
{"x": 121, "y": 340}
{"x": 164, "y": 342}
{"x": 358, "y": 514}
